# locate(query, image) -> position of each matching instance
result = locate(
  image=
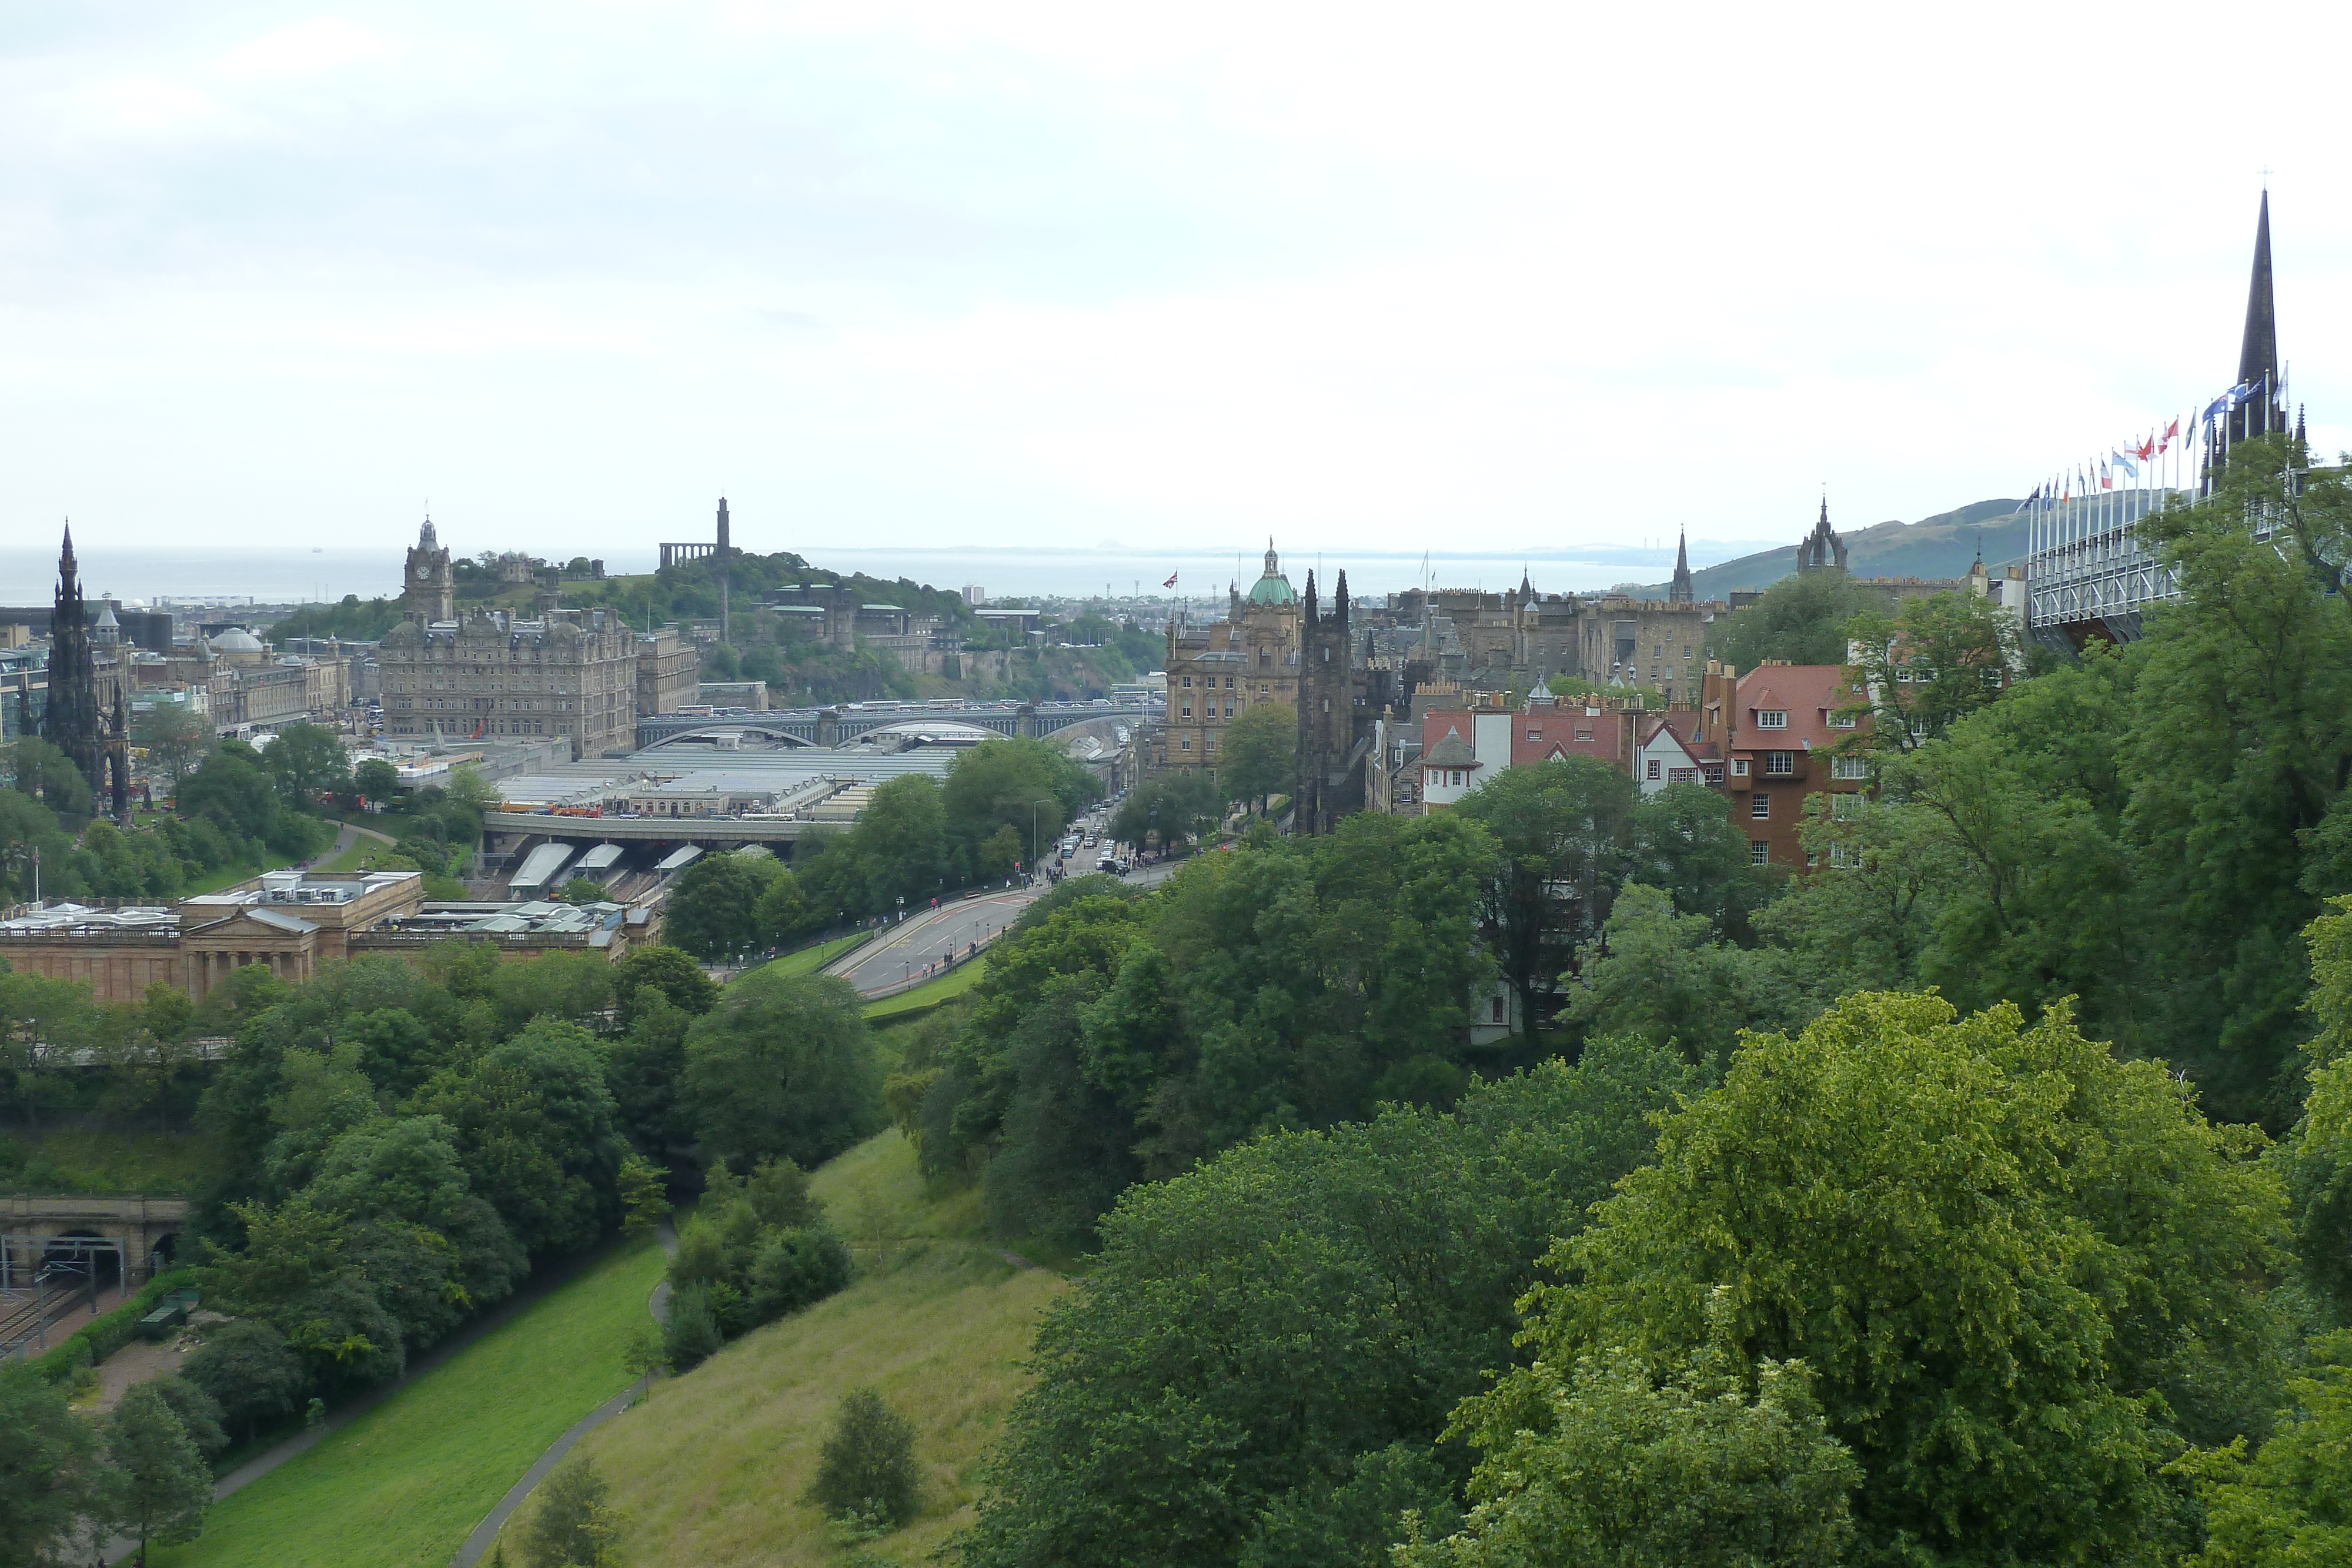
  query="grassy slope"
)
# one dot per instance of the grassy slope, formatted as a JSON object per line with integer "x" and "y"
{"x": 709, "y": 1470}
{"x": 155, "y": 1164}
{"x": 808, "y": 960}
{"x": 930, "y": 994}
{"x": 404, "y": 1483}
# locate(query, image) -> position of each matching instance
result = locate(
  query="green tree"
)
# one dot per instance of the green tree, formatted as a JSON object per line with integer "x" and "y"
{"x": 668, "y": 970}
{"x": 1176, "y": 805}
{"x": 2004, "y": 1255}
{"x": 573, "y": 1521}
{"x": 157, "y": 1484}
{"x": 39, "y": 770}
{"x": 176, "y": 741}
{"x": 866, "y": 1465}
{"x": 1259, "y": 754}
{"x": 1258, "y": 1333}
{"x": 582, "y": 890}
{"x": 1564, "y": 829}
{"x": 712, "y": 912}
{"x": 232, "y": 792}
{"x": 1665, "y": 978}
{"x": 308, "y": 760}
{"x": 538, "y": 1130}
{"x": 997, "y": 785}
{"x": 250, "y": 1372}
{"x": 45, "y": 1467}
{"x": 1685, "y": 844}
{"x": 645, "y": 1201}
{"x": 782, "y": 1067}
{"x": 1604, "y": 1465}
{"x": 1803, "y": 617}
{"x": 377, "y": 779}
{"x": 2282, "y": 1507}
{"x": 1917, "y": 672}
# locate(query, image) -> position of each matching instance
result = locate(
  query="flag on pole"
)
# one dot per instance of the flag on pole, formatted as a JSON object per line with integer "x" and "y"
{"x": 2106, "y": 475}
{"x": 2146, "y": 450}
{"x": 1172, "y": 581}
{"x": 2171, "y": 434}
{"x": 2124, "y": 461}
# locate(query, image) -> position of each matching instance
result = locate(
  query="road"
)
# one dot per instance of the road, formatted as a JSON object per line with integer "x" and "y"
{"x": 902, "y": 954}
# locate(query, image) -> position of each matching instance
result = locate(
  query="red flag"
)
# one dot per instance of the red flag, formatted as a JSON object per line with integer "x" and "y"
{"x": 2172, "y": 434}
{"x": 1171, "y": 582}
{"x": 2146, "y": 450}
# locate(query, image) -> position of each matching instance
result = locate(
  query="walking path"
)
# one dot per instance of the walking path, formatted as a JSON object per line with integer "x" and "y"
{"x": 488, "y": 1531}
{"x": 540, "y": 1283}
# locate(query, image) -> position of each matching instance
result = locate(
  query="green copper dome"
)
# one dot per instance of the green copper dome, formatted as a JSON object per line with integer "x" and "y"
{"x": 1272, "y": 588}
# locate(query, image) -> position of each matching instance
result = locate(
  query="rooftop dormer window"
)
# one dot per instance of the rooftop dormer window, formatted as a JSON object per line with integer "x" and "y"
{"x": 1771, "y": 719}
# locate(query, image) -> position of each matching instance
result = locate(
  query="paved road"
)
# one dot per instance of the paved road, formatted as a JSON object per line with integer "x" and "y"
{"x": 902, "y": 954}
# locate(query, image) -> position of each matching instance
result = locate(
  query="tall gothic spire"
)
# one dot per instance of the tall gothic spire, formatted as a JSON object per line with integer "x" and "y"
{"x": 1680, "y": 591}
{"x": 66, "y": 560}
{"x": 2258, "y": 356}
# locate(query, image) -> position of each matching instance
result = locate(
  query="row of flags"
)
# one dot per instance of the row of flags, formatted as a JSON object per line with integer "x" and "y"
{"x": 2128, "y": 458}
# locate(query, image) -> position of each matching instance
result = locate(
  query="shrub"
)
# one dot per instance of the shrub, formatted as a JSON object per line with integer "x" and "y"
{"x": 868, "y": 1464}
{"x": 574, "y": 1526}
{"x": 692, "y": 1333}
{"x": 796, "y": 1269}
{"x": 249, "y": 1368}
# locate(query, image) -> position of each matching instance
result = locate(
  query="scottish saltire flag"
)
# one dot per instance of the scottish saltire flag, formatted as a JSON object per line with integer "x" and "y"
{"x": 2029, "y": 500}
{"x": 2124, "y": 461}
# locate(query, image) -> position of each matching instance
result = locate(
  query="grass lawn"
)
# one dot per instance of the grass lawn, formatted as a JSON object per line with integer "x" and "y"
{"x": 155, "y": 1164}
{"x": 711, "y": 1468}
{"x": 809, "y": 960}
{"x": 230, "y": 875}
{"x": 402, "y": 1484}
{"x": 928, "y": 995}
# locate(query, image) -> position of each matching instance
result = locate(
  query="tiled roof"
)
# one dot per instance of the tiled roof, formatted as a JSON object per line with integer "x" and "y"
{"x": 1451, "y": 752}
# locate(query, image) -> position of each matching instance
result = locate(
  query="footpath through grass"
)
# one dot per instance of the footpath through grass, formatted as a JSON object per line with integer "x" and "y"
{"x": 402, "y": 1486}
{"x": 710, "y": 1470}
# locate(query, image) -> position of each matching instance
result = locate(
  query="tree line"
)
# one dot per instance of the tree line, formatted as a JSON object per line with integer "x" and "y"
{"x": 918, "y": 840}
{"x": 399, "y": 1146}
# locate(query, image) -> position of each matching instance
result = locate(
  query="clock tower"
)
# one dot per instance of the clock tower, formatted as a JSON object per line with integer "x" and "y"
{"x": 429, "y": 589}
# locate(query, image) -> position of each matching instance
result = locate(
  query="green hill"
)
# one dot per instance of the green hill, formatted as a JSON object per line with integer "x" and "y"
{"x": 711, "y": 1468}
{"x": 1940, "y": 546}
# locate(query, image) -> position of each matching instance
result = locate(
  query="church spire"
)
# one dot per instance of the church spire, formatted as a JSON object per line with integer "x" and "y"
{"x": 66, "y": 568}
{"x": 2258, "y": 355}
{"x": 1680, "y": 593}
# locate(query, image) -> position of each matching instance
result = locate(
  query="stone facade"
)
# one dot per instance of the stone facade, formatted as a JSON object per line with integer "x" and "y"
{"x": 1217, "y": 670}
{"x": 572, "y": 674}
{"x": 428, "y": 583}
{"x": 668, "y": 671}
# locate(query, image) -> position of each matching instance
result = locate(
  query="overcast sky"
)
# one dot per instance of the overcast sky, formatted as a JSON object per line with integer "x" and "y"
{"x": 1458, "y": 275}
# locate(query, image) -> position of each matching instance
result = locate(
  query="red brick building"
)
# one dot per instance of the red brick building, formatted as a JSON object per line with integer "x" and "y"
{"x": 1776, "y": 729}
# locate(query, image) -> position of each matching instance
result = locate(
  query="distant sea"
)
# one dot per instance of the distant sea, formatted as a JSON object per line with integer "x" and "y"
{"x": 280, "y": 576}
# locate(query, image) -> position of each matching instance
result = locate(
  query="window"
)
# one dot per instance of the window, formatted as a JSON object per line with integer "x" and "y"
{"x": 1760, "y": 853}
{"x": 1844, "y": 808}
{"x": 1229, "y": 683}
{"x": 1188, "y": 711}
{"x": 1584, "y": 735}
{"x": 1499, "y": 1009}
{"x": 1760, "y": 806}
{"x": 1187, "y": 683}
{"x": 1841, "y": 856}
{"x": 1185, "y": 744}
{"x": 1841, "y": 721}
{"x": 1849, "y": 767}
{"x": 1771, "y": 719}
{"x": 1903, "y": 677}
{"x": 1656, "y": 767}
{"x": 1715, "y": 773}
{"x": 1783, "y": 763}
{"x": 1682, "y": 775}
{"x": 1453, "y": 777}
{"x": 1991, "y": 673}
{"x": 1740, "y": 767}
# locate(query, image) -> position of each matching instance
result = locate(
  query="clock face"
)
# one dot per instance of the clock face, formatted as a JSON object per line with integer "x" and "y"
{"x": 424, "y": 573}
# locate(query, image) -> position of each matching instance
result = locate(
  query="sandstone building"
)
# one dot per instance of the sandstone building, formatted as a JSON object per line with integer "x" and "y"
{"x": 571, "y": 673}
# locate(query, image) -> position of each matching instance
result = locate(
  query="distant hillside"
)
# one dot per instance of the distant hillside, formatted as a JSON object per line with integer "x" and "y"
{"x": 1940, "y": 546}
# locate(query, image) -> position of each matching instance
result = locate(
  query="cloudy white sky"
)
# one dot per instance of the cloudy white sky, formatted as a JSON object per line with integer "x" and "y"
{"x": 1535, "y": 276}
